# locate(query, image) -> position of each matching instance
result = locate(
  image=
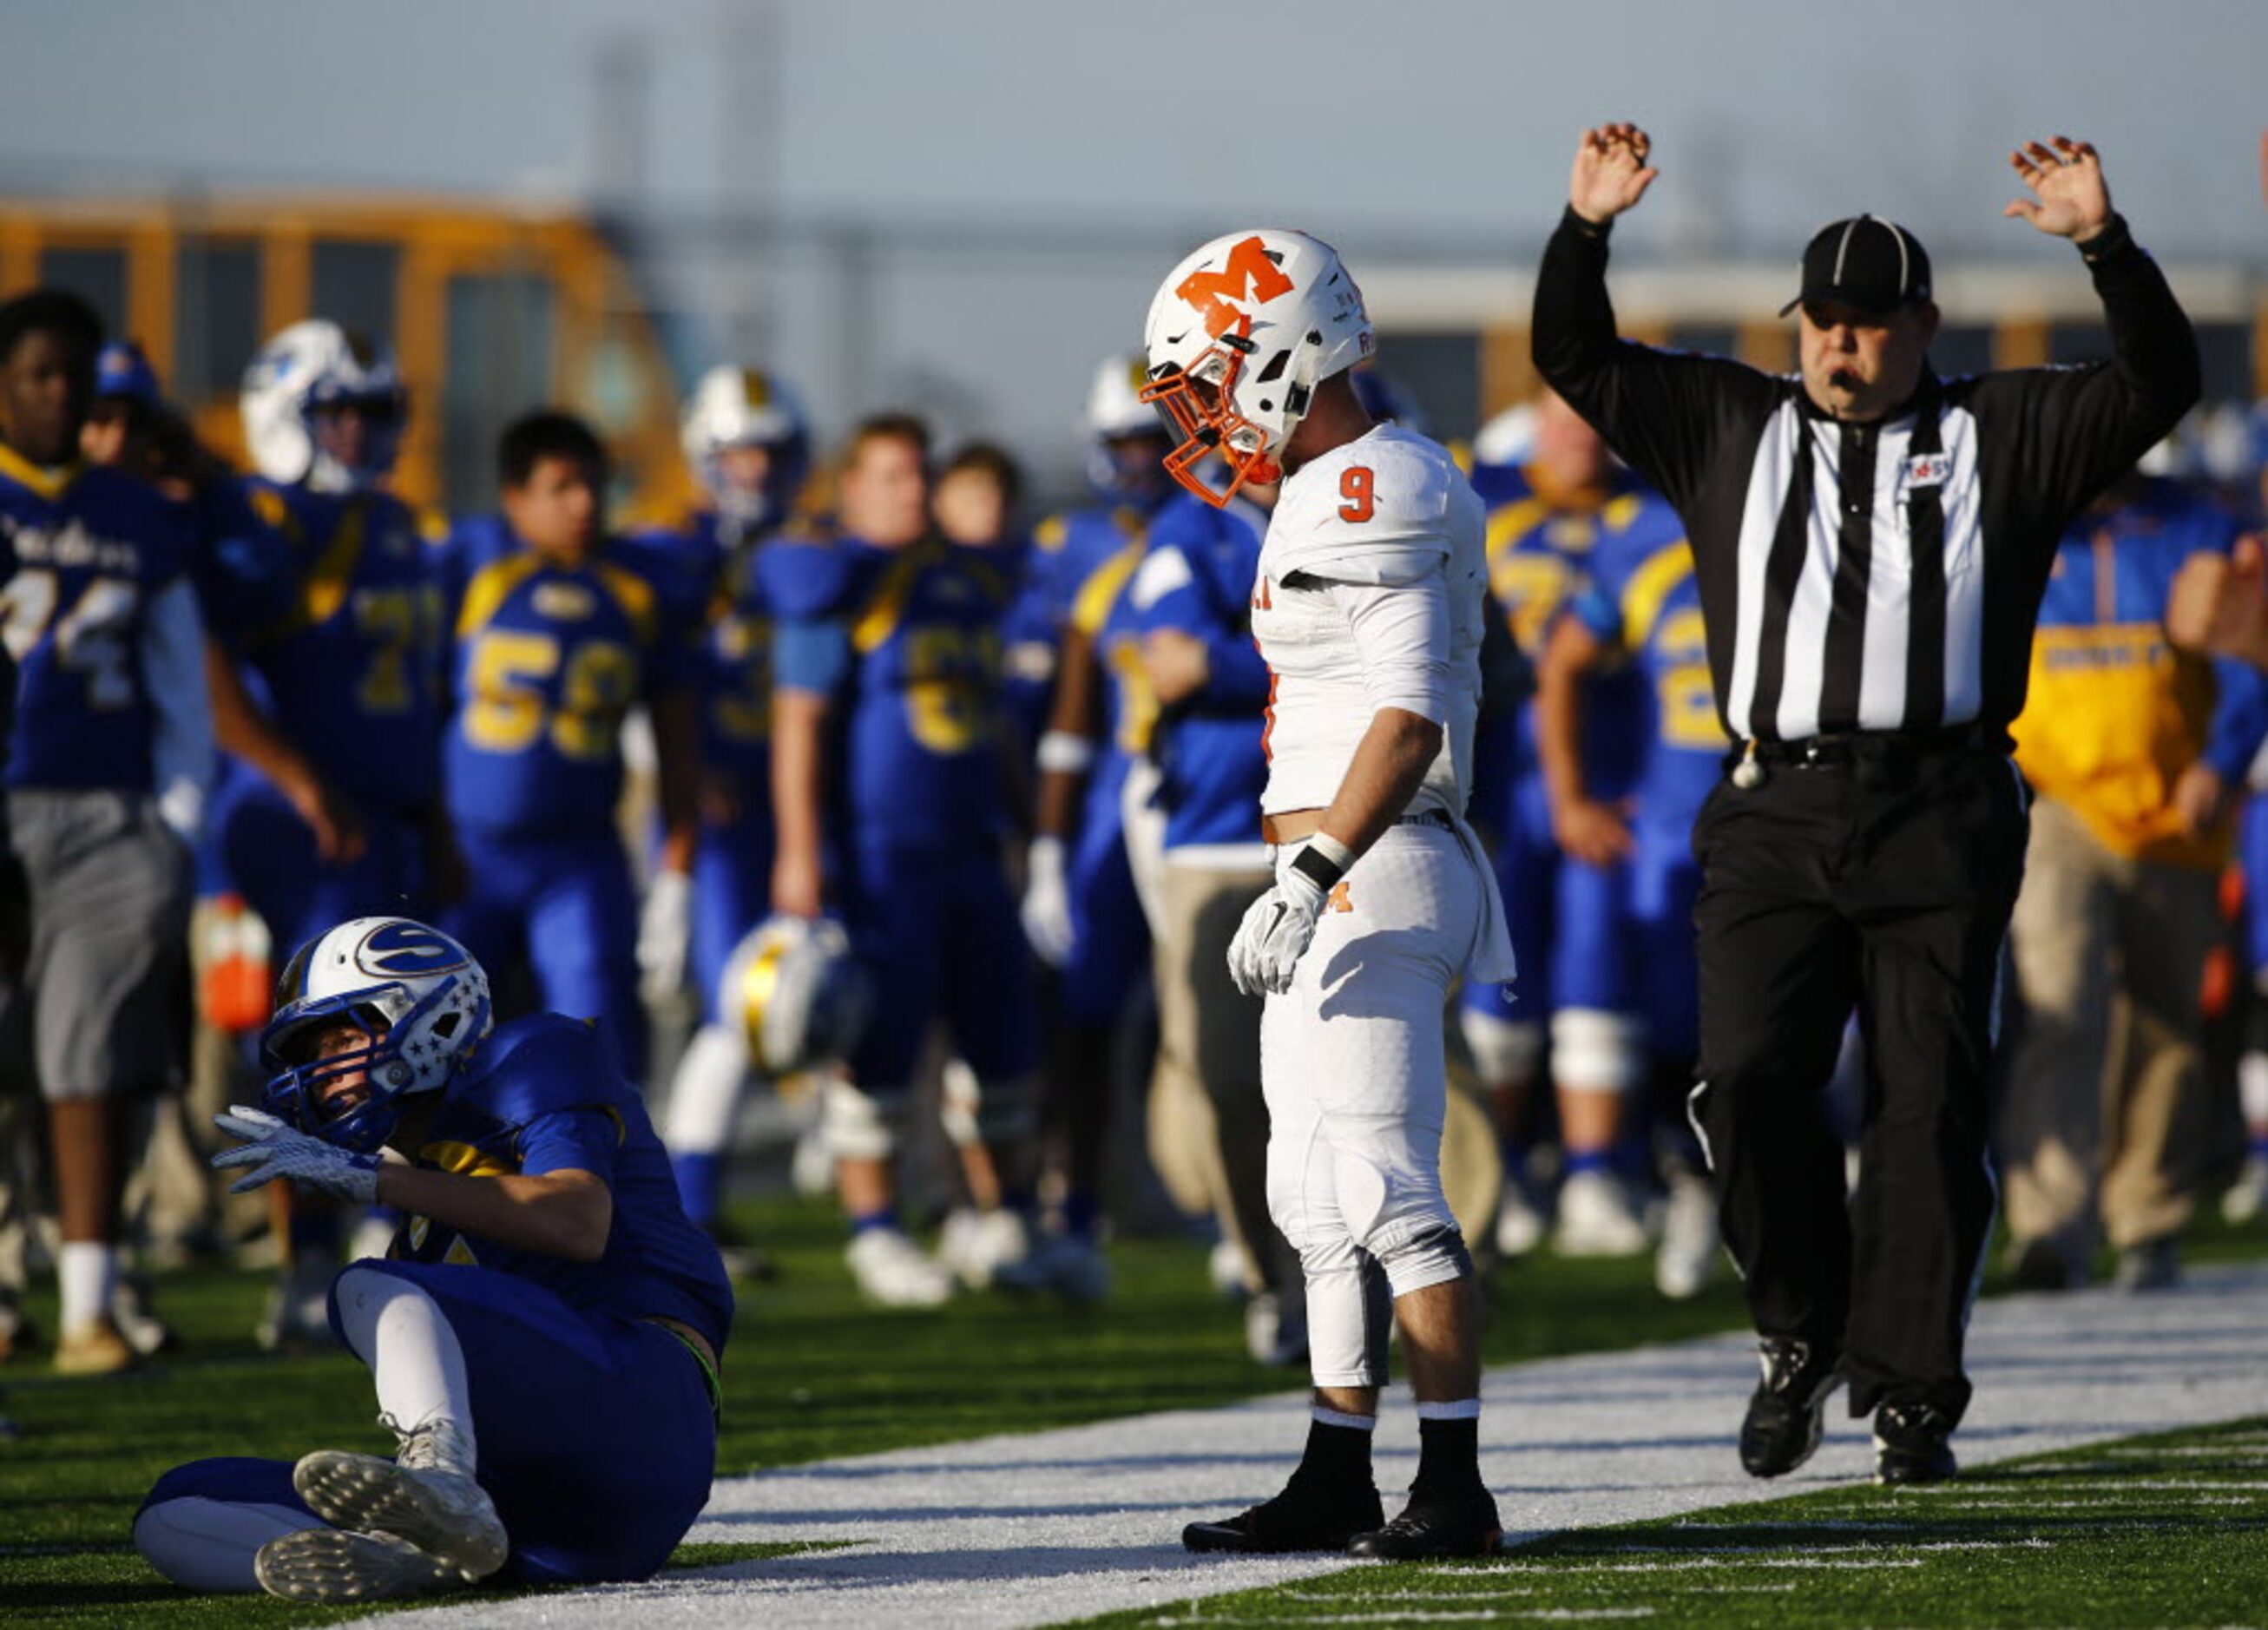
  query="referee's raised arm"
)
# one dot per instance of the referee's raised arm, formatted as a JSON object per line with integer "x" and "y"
{"x": 1663, "y": 412}
{"x": 2077, "y": 429}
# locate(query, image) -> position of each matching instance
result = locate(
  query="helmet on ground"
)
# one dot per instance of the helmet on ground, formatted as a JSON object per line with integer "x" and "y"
{"x": 308, "y": 369}
{"x": 1239, "y": 334}
{"x": 800, "y": 997}
{"x": 418, "y": 997}
{"x": 746, "y": 408}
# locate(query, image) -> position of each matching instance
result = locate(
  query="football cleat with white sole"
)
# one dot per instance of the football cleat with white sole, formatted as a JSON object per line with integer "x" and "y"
{"x": 426, "y": 1495}
{"x": 1075, "y": 1269}
{"x": 988, "y": 1248}
{"x": 1686, "y": 1259}
{"x": 2248, "y": 1196}
{"x": 333, "y": 1564}
{"x": 895, "y": 1273}
{"x": 1275, "y": 1334}
{"x": 1228, "y": 1270}
{"x": 1596, "y": 1218}
{"x": 1521, "y": 1223}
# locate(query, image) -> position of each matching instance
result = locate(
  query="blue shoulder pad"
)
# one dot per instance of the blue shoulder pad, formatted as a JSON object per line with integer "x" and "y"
{"x": 541, "y": 1065}
{"x": 806, "y": 581}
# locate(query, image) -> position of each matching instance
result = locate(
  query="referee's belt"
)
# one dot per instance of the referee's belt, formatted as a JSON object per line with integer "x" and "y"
{"x": 1890, "y": 750}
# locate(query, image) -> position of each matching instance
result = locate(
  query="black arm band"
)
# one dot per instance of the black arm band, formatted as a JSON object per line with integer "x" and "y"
{"x": 1317, "y": 867}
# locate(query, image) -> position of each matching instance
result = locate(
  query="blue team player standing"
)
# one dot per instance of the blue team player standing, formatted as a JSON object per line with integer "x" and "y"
{"x": 744, "y": 435}
{"x": 109, "y": 759}
{"x": 886, "y": 692}
{"x": 544, "y": 1335}
{"x": 330, "y": 705}
{"x": 1640, "y": 614}
{"x": 1545, "y": 518}
{"x": 336, "y": 707}
{"x": 557, "y": 634}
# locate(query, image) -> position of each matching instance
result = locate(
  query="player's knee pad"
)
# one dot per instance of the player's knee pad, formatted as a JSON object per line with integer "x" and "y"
{"x": 858, "y": 1125}
{"x": 204, "y": 1523}
{"x": 1506, "y": 1052}
{"x": 1346, "y": 1344}
{"x": 1430, "y": 1256}
{"x": 1593, "y": 1050}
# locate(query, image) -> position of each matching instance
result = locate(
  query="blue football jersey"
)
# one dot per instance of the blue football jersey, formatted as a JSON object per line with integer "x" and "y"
{"x": 1065, "y": 551}
{"x": 724, "y": 600}
{"x": 91, "y": 550}
{"x": 1197, "y": 579}
{"x": 354, "y": 668}
{"x": 1643, "y": 600}
{"x": 907, "y": 642}
{"x": 1540, "y": 544}
{"x": 547, "y": 660}
{"x": 541, "y": 1094}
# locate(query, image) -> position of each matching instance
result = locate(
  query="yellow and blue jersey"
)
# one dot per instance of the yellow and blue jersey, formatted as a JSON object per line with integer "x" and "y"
{"x": 1541, "y": 540}
{"x": 2114, "y": 713}
{"x": 354, "y": 667}
{"x": 725, "y": 601}
{"x": 907, "y": 642}
{"x": 1065, "y": 551}
{"x": 1196, "y": 580}
{"x": 541, "y": 1094}
{"x": 90, "y": 548}
{"x": 1642, "y": 601}
{"x": 547, "y": 660}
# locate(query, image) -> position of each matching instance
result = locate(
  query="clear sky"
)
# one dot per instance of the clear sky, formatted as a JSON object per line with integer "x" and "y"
{"x": 1395, "y": 127}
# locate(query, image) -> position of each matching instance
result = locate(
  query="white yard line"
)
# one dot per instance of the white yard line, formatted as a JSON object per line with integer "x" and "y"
{"x": 1023, "y": 1531}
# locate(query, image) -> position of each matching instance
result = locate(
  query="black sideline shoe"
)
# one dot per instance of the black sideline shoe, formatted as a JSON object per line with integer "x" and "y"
{"x": 1910, "y": 1446}
{"x": 1436, "y": 1525}
{"x": 1787, "y": 1411}
{"x": 1308, "y": 1516}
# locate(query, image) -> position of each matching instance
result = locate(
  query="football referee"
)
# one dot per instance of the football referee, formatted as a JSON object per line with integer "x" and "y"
{"x": 1872, "y": 542}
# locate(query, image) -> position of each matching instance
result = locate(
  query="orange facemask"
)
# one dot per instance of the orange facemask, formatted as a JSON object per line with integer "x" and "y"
{"x": 1197, "y": 415}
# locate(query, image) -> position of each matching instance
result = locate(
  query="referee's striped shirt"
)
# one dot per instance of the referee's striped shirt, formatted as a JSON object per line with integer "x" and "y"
{"x": 1881, "y": 577}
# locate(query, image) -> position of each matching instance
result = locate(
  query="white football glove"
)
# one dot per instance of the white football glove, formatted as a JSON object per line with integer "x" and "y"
{"x": 1046, "y": 909}
{"x": 275, "y": 1149}
{"x": 665, "y": 934}
{"x": 1274, "y": 934}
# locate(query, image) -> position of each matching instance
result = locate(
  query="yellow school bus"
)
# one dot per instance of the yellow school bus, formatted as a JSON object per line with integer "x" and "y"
{"x": 491, "y": 310}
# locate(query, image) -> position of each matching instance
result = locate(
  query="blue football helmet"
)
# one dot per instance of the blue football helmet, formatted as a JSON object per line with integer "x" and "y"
{"x": 420, "y": 1001}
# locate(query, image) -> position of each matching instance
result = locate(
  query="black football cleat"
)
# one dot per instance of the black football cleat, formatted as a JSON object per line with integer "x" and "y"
{"x": 1788, "y": 1411}
{"x": 1911, "y": 1445}
{"x": 1436, "y": 1525}
{"x": 1308, "y": 1515}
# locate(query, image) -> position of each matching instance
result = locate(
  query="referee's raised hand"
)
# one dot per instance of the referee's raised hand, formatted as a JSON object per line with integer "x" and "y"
{"x": 2070, "y": 198}
{"x": 1611, "y": 172}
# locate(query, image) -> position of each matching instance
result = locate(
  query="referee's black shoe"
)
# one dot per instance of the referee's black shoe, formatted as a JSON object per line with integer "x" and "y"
{"x": 1788, "y": 1409}
{"x": 1436, "y": 1523}
{"x": 1312, "y": 1514}
{"x": 1910, "y": 1446}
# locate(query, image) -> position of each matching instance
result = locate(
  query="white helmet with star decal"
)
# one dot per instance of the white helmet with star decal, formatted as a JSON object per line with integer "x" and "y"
{"x": 418, "y": 996}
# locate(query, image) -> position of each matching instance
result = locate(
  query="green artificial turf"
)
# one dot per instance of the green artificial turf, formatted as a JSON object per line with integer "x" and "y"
{"x": 2161, "y": 1531}
{"x": 811, "y": 1373}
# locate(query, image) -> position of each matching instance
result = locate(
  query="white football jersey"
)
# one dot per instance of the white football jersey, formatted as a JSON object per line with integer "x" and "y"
{"x": 1388, "y": 508}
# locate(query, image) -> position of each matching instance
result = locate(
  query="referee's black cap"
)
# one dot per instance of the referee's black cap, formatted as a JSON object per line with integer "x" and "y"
{"x": 1865, "y": 262}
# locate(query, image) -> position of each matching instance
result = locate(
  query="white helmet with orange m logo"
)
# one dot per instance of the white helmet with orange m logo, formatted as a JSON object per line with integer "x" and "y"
{"x": 1239, "y": 337}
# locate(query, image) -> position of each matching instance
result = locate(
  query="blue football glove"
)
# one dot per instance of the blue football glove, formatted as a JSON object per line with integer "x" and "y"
{"x": 273, "y": 1148}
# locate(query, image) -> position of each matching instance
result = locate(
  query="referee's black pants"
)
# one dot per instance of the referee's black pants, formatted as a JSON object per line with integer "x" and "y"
{"x": 1880, "y": 882}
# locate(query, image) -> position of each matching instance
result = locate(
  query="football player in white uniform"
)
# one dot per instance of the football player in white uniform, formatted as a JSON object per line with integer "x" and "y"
{"x": 1368, "y": 610}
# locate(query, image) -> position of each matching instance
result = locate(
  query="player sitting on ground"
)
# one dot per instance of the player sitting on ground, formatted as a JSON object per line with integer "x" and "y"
{"x": 543, "y": 1334}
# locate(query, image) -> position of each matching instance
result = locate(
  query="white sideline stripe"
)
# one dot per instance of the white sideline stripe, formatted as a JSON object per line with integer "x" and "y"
{"x": 1021, "y": 1530}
